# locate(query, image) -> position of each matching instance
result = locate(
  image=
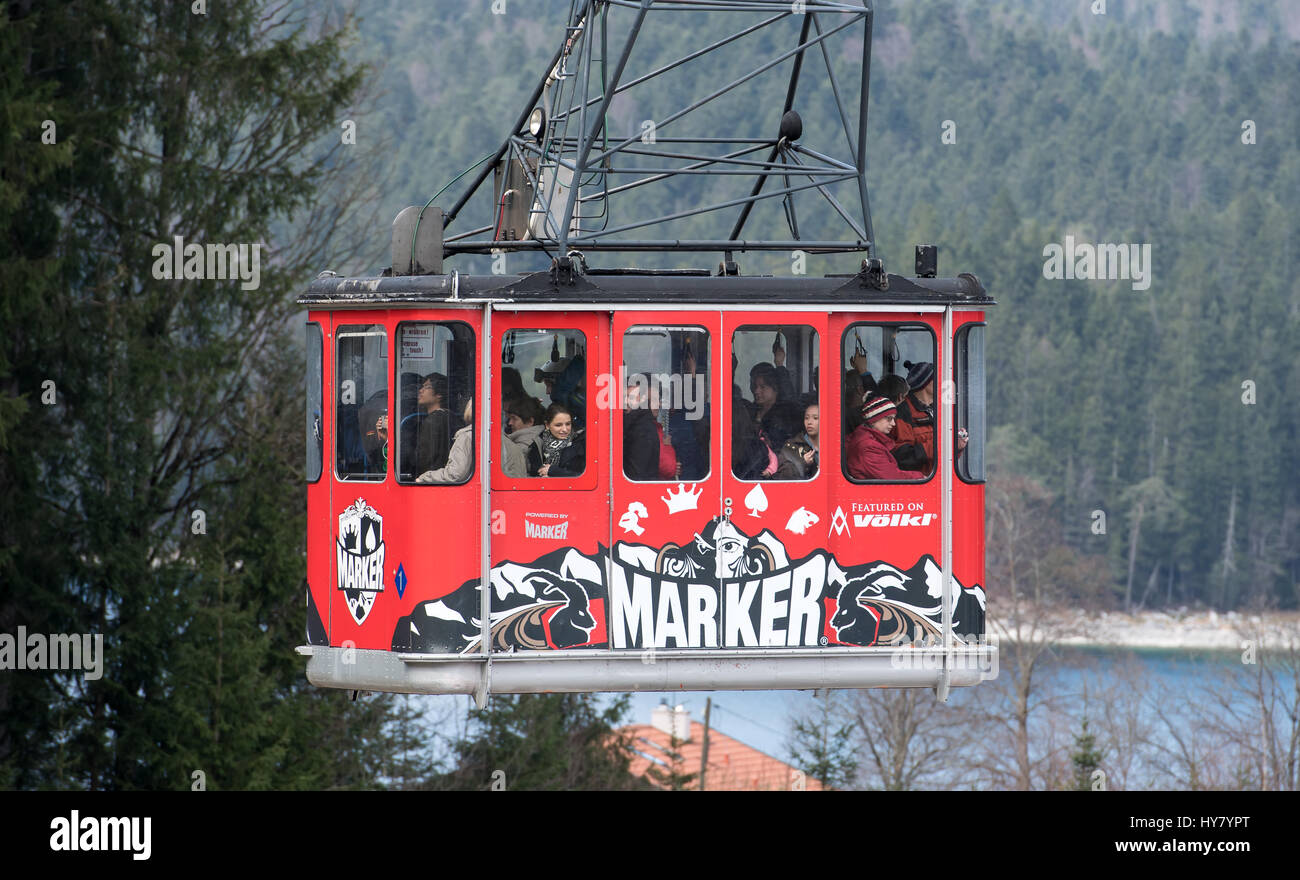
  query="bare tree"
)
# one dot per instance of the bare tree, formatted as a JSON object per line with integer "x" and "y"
{"x": 1116, "y": 709}
{"x": 1041, "y": 587}
{"x": 912, "y": 740}
{"x": 1188, "y": 747}
{"x": 1264, "y": 719}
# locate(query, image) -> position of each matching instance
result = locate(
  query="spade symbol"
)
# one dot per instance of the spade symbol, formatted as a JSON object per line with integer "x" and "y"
{"x": 756, "y": 501}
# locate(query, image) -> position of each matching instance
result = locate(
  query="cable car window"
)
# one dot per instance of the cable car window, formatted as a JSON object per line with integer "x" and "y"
{"x": 969, "y": 348}
{"x": 544, "y": 402}
{"x": 776, "y": 416}
{"x": 361, "y": 402}
{"x": 435, "y": 400}
{"x": 665, "y": 403}
{"x": 889, "y": 391}
{"x": 315, "y": 435}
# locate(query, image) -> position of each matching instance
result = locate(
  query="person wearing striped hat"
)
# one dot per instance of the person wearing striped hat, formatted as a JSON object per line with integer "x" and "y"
{"x": 871, "y": 446}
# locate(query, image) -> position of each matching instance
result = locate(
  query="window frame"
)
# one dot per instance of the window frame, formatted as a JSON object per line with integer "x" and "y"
{"x": 589, "y": 478}
{"x": 318, "y": 378}
{"x": 339, "y": 335}
{"x": 821, "y": 405}
{"x": 624, "y": 372}
{"x": 844, "y": 438}
{"x": 395, "y": 437}
{"x": 961, "y": 372}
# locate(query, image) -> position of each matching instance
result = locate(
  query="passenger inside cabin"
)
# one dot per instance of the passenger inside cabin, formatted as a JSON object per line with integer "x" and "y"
{"x": 751, "y": 459}
{"x": 460, "y": 460}
{"x": 426, "y": 433}
{"x": 785, "y": 385}
{"x": 858, "y": 383}
{"x": 893, "y": 387}
{"x": 870, "y": 446}
{"x": 565, "y": 381}
{"x": 800, "y": 455}
{"x": 777, "y": 416}
{"x": 914, "y": 432}
{"x": 688, "y": 428}
{"x": 524, "y": 418}
{"x": 642, "y": 433}
{"x": 512, "y": 385}
{"x": 549, "y": 374}
{"x": 861, "y": 372}
{"x": 559, "y": 450}
{"x": 571, "y": 390}
{"x": 514, "y": 458}
{"x": 372, "y": 420}
{"x": 408, "y": 392}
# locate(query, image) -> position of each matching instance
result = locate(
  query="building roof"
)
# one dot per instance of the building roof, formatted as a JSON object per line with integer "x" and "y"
{"x": 733, "y": 766}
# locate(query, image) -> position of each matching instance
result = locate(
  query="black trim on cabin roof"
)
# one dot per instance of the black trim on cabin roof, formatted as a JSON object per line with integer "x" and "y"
{"x": 329, "y": 291}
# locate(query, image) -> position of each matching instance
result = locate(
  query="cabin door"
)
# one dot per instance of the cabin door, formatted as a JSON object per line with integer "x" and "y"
{"x": 404, "y": 499}
{"x": 550, "y": 492}
{"x": 776, "y": 478}
{"x": 360, "y": 519}
{"x": 891, "y": 519}
{"x": 662, "y": 402}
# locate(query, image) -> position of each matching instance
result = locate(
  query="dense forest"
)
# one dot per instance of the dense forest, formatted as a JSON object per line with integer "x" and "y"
{"x": 1145, "y": 434}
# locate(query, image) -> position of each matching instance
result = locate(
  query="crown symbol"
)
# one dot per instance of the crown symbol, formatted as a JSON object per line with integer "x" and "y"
{"x": 683, "y": 498}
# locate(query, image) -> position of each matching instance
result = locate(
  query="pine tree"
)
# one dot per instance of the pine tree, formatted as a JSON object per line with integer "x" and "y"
{"x": 1086, "y": 758}
{"x": 821, "y": 743}
{"x": 543, "y": 742}
{"x": 673, "y": 775}
{"x": 128, "y": 508}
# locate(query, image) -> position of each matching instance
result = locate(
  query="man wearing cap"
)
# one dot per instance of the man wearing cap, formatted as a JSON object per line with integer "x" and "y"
{"x": 914, "y": 431}
{"x": 870, "y": 444}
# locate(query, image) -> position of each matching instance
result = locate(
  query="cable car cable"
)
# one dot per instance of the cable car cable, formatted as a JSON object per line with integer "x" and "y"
{"x": 415, "y": 234}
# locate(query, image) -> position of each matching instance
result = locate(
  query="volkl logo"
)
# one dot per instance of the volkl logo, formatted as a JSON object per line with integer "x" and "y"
{"x": 360, "y": 557}
{"x": 880, "y": 520}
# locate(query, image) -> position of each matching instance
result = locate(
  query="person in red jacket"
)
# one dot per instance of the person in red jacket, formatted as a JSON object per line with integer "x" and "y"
{"x": 870, "y": 454}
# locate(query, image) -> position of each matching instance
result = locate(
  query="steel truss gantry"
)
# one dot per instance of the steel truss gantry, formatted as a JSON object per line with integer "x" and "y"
{"x": 575, "y": 166}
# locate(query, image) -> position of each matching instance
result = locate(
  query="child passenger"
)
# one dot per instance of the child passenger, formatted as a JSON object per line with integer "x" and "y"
{"x": 558, "y": 451}
{"x": 800, "y": 455}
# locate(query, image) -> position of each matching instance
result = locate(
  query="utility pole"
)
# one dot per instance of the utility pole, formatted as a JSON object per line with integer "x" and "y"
{"x": 704, "y": 749}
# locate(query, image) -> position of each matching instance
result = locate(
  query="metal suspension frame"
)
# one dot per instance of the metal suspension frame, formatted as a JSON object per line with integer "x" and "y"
{"x": 591, "y": 155}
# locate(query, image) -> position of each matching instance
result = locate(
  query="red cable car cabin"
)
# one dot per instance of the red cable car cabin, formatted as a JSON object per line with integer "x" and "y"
{"x": 695, "y": 526}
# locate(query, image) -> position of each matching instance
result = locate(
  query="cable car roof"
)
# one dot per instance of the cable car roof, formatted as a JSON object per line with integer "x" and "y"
{"x": 632, "y": 287}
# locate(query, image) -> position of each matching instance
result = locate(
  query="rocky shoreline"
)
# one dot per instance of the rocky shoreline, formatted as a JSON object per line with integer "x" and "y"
{"x": 1187, "y": 630}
